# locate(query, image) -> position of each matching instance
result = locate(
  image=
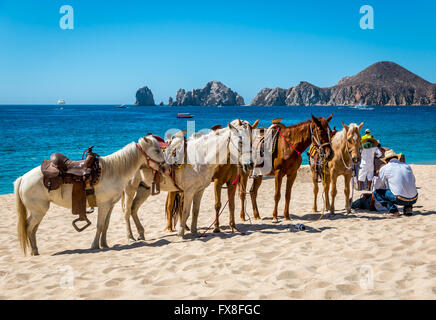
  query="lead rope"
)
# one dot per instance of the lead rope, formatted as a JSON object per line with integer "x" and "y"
{"x": 235, "y": 183}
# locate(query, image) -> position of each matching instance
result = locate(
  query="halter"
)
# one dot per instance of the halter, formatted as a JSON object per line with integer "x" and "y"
{"x": 156, "y": 173}
{"x": 348, "y": 150}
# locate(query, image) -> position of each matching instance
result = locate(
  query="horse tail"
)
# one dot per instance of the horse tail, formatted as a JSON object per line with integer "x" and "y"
{"x": 22, "y": 217}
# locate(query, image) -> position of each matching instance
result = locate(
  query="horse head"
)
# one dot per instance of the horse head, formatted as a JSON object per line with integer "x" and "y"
{"x": 153, "y": 154}
{"x": 353, "y": 140}
{"x": 240, "y": 145}
{"x": 322, "y": 135}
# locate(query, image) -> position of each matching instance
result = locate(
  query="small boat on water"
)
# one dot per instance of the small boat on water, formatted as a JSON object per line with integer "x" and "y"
{"x": 61, "y": 101}
{"x": 123, "y": 106}
{"x": 184, "y": 115}
{"x": 360, "y": 106}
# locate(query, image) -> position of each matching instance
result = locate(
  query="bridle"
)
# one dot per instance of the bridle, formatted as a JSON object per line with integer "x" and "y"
{"x": 348, "y": 151}
{"x": 155, "y": 185}
{"x": 239, "y": 147}
{"x": 316, "y": 141}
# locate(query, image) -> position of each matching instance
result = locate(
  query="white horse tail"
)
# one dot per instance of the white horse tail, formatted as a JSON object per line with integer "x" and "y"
{"x": 22, "y": 216}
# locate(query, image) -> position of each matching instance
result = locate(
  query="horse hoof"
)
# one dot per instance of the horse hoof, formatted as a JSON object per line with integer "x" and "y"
{"x": 141, "y": 238}
{"x": 275, "y": 220}
{"x": 287, "y": 218}
{"x": 216, "y": 230}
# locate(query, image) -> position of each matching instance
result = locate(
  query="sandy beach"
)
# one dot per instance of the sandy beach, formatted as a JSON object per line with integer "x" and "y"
{"x": 363, "y": 255}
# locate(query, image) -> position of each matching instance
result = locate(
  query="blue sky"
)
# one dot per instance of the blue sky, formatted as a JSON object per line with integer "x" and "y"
{"x": 118, "y": 46}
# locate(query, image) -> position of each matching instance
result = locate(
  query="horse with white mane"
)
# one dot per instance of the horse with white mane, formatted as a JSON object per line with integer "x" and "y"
{"x": 32, "y": 196}
{"x": 203, "y": 154}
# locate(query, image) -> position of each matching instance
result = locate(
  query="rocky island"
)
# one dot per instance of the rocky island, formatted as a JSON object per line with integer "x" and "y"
{"x": 381, "y": 84}
{"x": 144, "y": 97}
{"x": 213, "y": 94}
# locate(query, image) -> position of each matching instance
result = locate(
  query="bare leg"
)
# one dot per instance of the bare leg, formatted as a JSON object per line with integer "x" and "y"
{"x": 277, "y": 193}
{"x": 231, "y": 198}
{"x": 195, "y": 211}
{"x": 253, "y": 194}
{"x": 141, "y": 196}
{"x": 217, "y": 189}
{"x": 242, "y": 188}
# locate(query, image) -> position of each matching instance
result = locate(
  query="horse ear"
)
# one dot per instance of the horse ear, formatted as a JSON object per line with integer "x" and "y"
{"x": 255, "y": 124}
{"x": 360, "y": 126}
{"x": 231, "y": 127}
{"x": 239, "y": 122}
{"x": 330, "y": 117}
{"x": 345, "y": 126}
{"x": 315, "y": 119}
{"x": 146, "y": 140}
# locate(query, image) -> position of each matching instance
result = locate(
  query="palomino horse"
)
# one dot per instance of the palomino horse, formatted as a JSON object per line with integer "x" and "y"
{"x": 346, "y": 148}
{"x": 292, "y": 141}
{"x": 204, "y": 154}
{"x": 32, "y": 196}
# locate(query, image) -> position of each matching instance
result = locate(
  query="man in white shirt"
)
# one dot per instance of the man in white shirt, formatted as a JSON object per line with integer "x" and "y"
{"x": 396, "y": 185}
{"x": 366, "y": 169}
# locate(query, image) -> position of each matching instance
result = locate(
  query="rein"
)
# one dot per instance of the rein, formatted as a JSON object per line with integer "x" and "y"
{"x": 290, "y": 144}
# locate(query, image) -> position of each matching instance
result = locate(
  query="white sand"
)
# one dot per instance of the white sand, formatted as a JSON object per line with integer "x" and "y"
{"x": 363, "y": 255}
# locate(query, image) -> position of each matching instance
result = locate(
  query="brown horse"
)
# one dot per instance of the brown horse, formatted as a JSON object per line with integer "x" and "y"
{"x": 287, "y": 160}
{"x": 346, "y": 148}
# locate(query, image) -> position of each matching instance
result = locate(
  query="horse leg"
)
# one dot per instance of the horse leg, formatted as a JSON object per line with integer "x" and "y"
{"x": 126, "y": 203}
{"x": 326, "y": 186}
{"x": 315, "y": 188}
{"x": 231, "y": 198}
{"x": 32, "y": 223}
{"x": 333, "y": 193}
{"x": 257, "y": 181}
{"x": 141, "y": 196}
{"x": 242, "y": 187}
{"x": 277, "y": 194}
{"x": 289, "y": 183}
{"x": 187, "y": 202}
{"x": 217, "y": 189}
{"x": 103, "y": 241}
{"x": 101, "y": 219}
{"x": 195, "y": 211}
{"x": 347, "y": 179}
{"x": 169, "y": 207}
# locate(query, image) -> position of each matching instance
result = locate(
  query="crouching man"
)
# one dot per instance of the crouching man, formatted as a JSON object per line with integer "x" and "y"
{"x": 396, "y": 185}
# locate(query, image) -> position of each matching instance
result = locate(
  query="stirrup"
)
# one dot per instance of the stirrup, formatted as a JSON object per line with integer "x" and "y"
{"x": 88, "y": 223}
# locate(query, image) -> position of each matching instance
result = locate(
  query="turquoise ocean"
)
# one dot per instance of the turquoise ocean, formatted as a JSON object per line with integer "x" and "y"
{"x": 31, "y": 133}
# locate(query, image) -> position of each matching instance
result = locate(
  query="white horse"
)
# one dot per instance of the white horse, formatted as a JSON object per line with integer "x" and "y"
{"x": 138, "y": 190}
{"x": 204, "y": 153}
{"x": 116, "y": 169}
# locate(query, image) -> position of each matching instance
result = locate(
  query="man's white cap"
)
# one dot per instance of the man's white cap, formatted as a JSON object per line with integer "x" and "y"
{"x": 367, "y": 131}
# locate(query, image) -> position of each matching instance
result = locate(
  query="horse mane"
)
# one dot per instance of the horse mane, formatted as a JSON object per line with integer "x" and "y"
{"x": 196, "y": 140}
{"x": 337, "y": 138}
{"x": 298, "y": 130}
{"x": 117, "y": 163}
